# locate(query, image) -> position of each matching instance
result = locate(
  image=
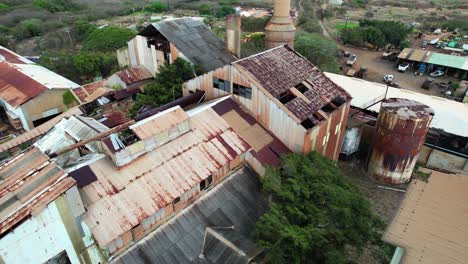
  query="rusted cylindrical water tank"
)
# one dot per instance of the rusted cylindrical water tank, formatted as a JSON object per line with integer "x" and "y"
{"x": 400, "y": 133}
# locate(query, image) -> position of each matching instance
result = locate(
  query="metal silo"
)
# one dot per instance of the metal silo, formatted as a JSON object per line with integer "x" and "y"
{"x": 400, "y": 133}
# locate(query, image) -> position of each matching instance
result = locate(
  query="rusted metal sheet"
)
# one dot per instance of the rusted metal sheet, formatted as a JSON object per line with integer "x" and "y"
{"x": 400, "y": 133}
{"x": 135, "y": 74}
{"x": 29, "y": 182}
{"x": 122, "y": 198}
{"x": 154, "y": 125}
{"x": 16, "y": 87}
{"x": 11, "y": 57}
{"x": 114, "y": 119}
{"x": 87, "y": 90}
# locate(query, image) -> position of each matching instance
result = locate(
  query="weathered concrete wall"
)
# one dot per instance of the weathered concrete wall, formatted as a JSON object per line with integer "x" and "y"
{"x": 38, "y": 239}
{"x": 446, "y": 161}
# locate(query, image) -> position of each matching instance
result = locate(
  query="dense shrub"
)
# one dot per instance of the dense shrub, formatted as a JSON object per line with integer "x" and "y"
{"x": 204, "y": 9}
{"x": 80, "y": 65}
{"x": 253, "y": 45}
{"x": 253, "y": 24}
{"x": 29, "y": 28}
{"x": 4, "y": 7}
{"x": 108, "y": 38}
{"x": 224, "y": 10}
{"x": 318, "y": 50}
{"x": 54, "y": 5}
{"x": 156, "y": 7}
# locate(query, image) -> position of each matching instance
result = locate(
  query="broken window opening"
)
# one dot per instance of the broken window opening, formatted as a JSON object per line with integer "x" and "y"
{"x": 243, "y": 91}
{"x": 308, "y": 124}
{"x": 301, "y": 88}
{"x": 286, "y": 97}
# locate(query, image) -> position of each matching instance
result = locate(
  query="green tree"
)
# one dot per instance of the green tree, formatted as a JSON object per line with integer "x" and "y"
{"x": 108, "y": 38}
{"x": 318, "y": 50}
{"x": 29, "y": 28}
{"x": 254, "y": 24}
{"x": 156, "y": 7}
{"x": 317, "y": 215}
{"x": 353, "y": 36}
{"x": 374, "y": 36}
{"x": 394, "y": 31}
{"x": 204, "y": 9}
{"x": 167, "y": 85}
{"x": 224, "y": 10}
{"x": 87, "y": 63}
{"x": 54, "y": 5}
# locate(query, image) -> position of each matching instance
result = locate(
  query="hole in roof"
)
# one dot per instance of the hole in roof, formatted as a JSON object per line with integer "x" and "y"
{"x": 307, "y": 124}
{"x": 286, "y": 97}
{"x": 339, "y": 100}
{"x": 328, "y": 108}
{"x": 301, "y": 88}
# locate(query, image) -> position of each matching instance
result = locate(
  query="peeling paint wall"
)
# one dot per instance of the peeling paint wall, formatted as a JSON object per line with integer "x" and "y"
{"x": 38, "y": 239}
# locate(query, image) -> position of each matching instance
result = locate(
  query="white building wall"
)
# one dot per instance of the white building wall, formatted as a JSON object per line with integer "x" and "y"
{"x": 18, "y": 111}
{"x": 141, "y": 54}
{"x": 38, "y": 239}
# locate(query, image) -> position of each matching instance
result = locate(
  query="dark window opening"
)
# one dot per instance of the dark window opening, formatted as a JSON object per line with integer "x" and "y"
{"x": 206, "y": 183}
{"x": 243, "y": 91}
{"x": 328, "y": 108}
{"x": 176, "y": 200}
{"x": 61, "y": 258}
{"x": 286, "y": 97}
{"x": 318, "y": 117}
{"x": 307, "y": 124}
{"x": 221, "y": 85}
{"x": 338, "y": 101}
{"x": 301, "y": 88}
{"x": 41, "y": 121}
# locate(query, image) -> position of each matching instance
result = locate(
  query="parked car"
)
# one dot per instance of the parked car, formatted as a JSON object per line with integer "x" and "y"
{"x": 403, "y": 67}
{"x": 388, "y": 78}
{"x": 427, "y": 83}
{"x": 346, "y": 53}
{"x": 437, "y": 73}
{"x": 352, "y": 59}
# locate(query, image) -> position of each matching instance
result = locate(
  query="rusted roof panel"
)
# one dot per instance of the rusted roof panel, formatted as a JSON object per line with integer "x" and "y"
{"x": 114, "y": 119}
{"x": 135, "y": 74}
{"x": 280, "y": 69}
{"x": 88, "y": 90}
{"x": 125, "y": 93}
{"x": 121, "y": 198}
{"x": 15, "y": 87}
{"x": 160, "y": 122}
{"x": 11, "y": 57}
{"x": 27, "y": 183}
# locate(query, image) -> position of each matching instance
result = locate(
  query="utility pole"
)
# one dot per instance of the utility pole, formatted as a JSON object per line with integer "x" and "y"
{"x": 346, "y": 22}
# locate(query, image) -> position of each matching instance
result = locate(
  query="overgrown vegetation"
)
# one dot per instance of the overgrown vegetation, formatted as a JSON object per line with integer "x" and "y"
{"x": 318, "y": 50}
{"x": 167, "y": 85}
{"x": 80, "y": 66}
{"x": 108, "y": 38}
{"x": 54, "y": 5}
{"x": 156, "y": 7}
{"x": 376, "y": 32}
{"x": 253, "y": 24}
{"x": 317, "y": 215}
{"x": 253, "y": 43}
{"x": 68, "y": 98}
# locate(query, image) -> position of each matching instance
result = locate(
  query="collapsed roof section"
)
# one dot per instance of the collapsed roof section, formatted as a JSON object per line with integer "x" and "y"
{"x": 294, "y": 82}
{"x": 194, "y": 39}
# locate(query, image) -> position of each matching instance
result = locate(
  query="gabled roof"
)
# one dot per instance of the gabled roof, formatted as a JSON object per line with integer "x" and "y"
{"x": 29, "y": 182}
{"x": 22, "y": 82}
{"x": 219, "y": 226}
{"x": 297, "y": 84}
{"x": 195, "y": 40}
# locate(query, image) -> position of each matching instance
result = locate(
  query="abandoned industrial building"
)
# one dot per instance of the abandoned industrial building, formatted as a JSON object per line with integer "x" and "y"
{"x": 165, "y": 41}
{"x": 286, "y": 94}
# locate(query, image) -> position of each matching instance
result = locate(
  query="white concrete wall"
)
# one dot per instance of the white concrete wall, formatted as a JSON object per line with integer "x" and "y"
{"x": 18, "y": 111}
{"x": 38, "y": 239}
{"x": 140, "y": 54}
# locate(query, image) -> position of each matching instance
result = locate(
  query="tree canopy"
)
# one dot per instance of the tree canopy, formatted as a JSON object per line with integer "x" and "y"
{"x": 316, "y": 215}
{"x": 319, "y": 50}
{"x": 167, "y": 85}
{"x": 108, "y": 38}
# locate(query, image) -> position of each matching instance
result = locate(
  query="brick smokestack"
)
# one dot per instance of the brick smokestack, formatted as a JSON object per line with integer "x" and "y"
{"x": 280, "y": 30}
{"x": 233, "y": 34}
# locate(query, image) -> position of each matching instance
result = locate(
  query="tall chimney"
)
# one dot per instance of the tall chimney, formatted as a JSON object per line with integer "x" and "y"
{"x": 280, "y": 30}
{"x": 233, "y": 34}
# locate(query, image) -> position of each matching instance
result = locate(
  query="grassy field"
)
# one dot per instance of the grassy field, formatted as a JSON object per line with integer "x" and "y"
{"x": 350, "y": 24}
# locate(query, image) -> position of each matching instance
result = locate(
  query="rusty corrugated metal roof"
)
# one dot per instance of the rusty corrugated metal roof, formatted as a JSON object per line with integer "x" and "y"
{"x": 135, "y": 74}
{"x": 88, "y": 90}
{"x": 121, "y": 198}
{"x": 114, "y": 119}
{"x": 280, "y": 69}
{"x": 11, "y": 57}
{"x": 27, "y": 183}
{"x": 15, "y": 87}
